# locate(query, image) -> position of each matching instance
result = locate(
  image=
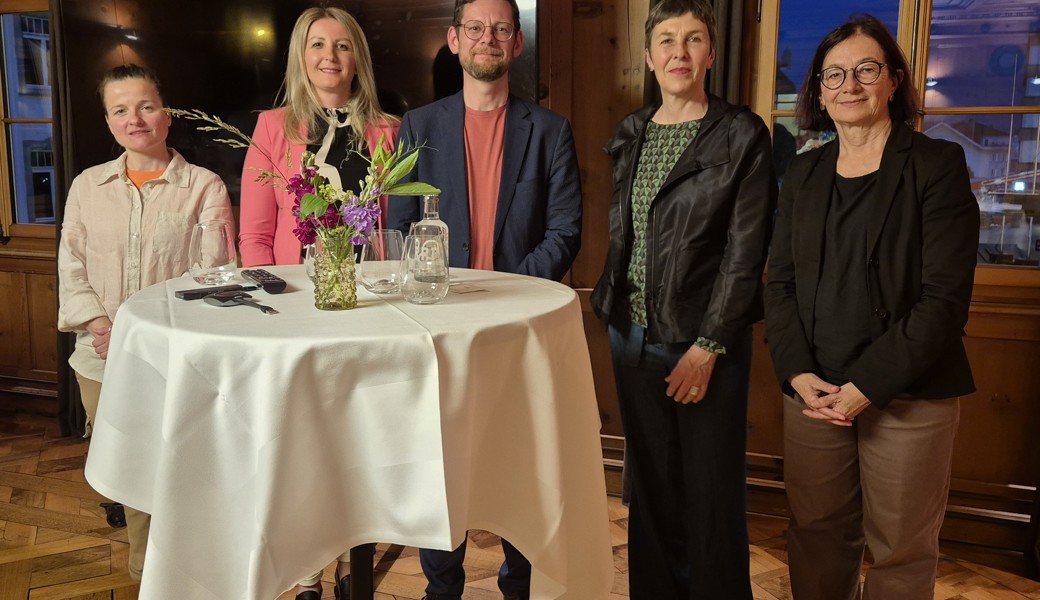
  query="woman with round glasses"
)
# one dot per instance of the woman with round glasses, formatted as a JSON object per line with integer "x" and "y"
{"x": 869, "y": 282}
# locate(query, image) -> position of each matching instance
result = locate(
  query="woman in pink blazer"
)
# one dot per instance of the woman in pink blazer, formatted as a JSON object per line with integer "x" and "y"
{"x": 330, "y": 108}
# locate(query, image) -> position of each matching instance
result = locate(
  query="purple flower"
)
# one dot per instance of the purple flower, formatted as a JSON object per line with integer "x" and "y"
{"x": 305, "y": 233}
{"x": 331, "y": 218}
{"x": 361, "y": 219}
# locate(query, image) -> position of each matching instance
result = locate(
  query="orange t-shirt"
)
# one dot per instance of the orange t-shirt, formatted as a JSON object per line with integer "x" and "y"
{"x": 140, "y": 177}
{"x": 485, "y": 141}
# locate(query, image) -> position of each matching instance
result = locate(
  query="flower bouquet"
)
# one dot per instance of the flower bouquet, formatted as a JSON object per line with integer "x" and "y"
{"x": 333, "y": 219}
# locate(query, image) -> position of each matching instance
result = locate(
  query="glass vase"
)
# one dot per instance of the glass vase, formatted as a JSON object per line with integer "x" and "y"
{"x": 335, "y": 284}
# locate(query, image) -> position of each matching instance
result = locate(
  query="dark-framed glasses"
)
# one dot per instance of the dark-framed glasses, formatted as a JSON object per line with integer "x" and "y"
{"x": 474, "y": 30}
{"x": 866, "y": 72}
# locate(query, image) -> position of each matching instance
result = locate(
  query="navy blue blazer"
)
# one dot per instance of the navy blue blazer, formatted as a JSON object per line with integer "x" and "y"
{"x": 538, "y": 220}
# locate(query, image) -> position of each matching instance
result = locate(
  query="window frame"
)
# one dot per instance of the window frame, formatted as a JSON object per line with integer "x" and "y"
{"x": 913, "y": 37}
{"x": 21, "y": 235}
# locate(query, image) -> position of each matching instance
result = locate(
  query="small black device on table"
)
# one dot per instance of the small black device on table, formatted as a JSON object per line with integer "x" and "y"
{"x": 269, "y": 282}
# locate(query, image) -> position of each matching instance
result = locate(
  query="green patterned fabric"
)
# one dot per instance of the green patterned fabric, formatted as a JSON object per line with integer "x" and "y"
{"x": 710, "y": 345}
{"x": 662, "y": 147}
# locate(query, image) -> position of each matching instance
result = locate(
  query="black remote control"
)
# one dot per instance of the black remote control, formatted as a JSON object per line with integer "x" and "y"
{"x": 267, "y": 281}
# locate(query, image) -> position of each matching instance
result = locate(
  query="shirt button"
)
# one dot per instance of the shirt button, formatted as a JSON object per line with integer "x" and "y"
{"x": 465, "y": 246}
{"x": 880, "y": 313}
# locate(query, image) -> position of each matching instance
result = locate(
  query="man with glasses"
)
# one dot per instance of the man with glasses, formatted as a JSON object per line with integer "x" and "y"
{"x": 510, "y": 195}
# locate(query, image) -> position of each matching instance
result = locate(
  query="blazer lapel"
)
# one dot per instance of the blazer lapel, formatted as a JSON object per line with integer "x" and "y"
{"x": 517, "y": 133}
{"x": 810, "y": 213}
{"x": 890, "y": 177}
{"x": 814, "y": 201}
{"x": 454, "y": 204}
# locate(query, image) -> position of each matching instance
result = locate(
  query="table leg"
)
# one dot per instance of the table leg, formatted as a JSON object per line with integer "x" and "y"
{"x": 361, "y": 575}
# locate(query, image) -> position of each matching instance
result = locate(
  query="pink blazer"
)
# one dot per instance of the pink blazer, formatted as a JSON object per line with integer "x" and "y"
{"x": 267, "y": 223}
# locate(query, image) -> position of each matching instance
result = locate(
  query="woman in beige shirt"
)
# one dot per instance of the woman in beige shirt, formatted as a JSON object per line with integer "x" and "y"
{"x": 127, "y": 226}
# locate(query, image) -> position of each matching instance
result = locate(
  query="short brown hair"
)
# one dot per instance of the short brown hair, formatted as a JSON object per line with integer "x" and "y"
{"x": 669, "y": 9}
{"x": 460, "y": 4}
{"x": 905, "y": 104}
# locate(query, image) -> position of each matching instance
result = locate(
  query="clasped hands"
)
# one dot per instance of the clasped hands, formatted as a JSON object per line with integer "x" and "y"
{"x": 828, "y": 402}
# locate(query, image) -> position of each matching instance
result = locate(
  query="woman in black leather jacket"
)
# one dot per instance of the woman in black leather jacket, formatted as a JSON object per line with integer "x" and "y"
{"x": 694, "y": 194}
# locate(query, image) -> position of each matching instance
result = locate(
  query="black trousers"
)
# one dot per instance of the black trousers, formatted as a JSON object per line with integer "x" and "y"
{"x": 687, "y": 531}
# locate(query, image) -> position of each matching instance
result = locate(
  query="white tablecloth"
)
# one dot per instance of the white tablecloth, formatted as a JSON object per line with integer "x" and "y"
{"x": 265, "y": 445}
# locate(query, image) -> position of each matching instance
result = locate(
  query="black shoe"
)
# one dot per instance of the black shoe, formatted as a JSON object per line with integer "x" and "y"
{"x": 517, "y": 596}
{"x": 309, "y": 595}
{"x": 342, "y": 588}
{"x": 114, "y": 514}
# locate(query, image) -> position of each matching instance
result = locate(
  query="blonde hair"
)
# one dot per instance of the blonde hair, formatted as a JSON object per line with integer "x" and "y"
{"x": 298, "y": 93}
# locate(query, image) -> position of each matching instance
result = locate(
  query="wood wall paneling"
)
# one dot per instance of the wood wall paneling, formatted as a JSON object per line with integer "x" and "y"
{"x": 14, "y": 327}
{"x": 28, "y": 328}
{"x": 43, "y": 327}
{"x": 596, "y": 78}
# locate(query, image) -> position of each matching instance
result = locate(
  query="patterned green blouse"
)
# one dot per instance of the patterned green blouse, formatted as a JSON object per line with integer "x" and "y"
{"x": 662, "y": 147}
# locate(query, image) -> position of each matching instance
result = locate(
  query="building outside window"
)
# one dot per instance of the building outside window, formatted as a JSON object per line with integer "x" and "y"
{"x": 976, "y": 64}
{"x": 25, "y": 112}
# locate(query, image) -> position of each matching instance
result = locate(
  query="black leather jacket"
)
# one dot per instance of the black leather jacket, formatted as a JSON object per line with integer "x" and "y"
{"x": 708, "y": 229}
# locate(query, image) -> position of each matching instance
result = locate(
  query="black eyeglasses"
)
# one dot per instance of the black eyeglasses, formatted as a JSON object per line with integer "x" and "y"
{"x": 474, "y": 30}
{"x": 866, "y": 72}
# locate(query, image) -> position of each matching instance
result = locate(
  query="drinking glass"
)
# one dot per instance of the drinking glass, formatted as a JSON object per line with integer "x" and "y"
{"x": 424, "y": 268}
{"x": 308, "y": 260}
{"x": 211, "y": 254}
{"x": 380, "y": 268}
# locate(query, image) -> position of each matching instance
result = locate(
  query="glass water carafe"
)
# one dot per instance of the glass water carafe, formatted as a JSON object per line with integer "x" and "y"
{"x": 432, "y": 218}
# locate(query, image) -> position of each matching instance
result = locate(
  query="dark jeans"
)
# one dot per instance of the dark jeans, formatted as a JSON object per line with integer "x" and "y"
{"x": 446, "y": 577}
{"x": 687, "y": 524}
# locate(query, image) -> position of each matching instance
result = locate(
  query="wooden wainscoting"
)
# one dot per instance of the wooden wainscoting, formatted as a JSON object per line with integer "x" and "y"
{"x": 28, "y": 328}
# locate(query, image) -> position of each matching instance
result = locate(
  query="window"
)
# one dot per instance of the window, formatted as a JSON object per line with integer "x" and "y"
{"x": 26, "y": 149}
{"x": 802, "y": 24}
{"x": 33, "y": 61}
{"x": 982, "y": 90}
{"x": 976, "y": 64}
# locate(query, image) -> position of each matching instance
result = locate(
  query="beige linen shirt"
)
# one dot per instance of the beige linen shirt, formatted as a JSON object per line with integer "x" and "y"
{"x": 116, "y": 240}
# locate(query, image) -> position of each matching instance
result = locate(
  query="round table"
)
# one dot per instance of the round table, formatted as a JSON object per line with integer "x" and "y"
{"x": 265, "y": 445}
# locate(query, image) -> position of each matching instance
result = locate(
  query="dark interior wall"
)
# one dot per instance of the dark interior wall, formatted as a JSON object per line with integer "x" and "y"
{"x": 210, "y": 55}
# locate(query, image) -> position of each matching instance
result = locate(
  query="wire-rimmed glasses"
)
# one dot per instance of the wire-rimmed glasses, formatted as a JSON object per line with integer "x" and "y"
{"x": 474, "y": 30}
{"x": 866, "y": 72}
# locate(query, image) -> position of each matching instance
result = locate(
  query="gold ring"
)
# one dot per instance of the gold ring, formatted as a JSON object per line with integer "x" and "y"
{"x": 694, "y": 391}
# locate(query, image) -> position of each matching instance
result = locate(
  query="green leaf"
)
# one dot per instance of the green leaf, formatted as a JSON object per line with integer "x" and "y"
{"x": 412, "y": 188}
{"x": 381, "y": 155}
{"x": 312, "y": 204}
{"x": 401, "y": 169}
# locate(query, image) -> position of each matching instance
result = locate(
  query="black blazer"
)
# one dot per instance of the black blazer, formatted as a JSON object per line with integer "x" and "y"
{"x": 922, "y": 242}
{"x": 538, "y": 221}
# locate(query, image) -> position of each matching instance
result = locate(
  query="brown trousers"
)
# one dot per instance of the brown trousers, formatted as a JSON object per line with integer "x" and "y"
{"x": 882, "y": 482}
{"x": 137, "y": 522}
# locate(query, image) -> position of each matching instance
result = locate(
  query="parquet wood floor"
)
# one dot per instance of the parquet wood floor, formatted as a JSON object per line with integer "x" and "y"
{"x": 55, "y": 543}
